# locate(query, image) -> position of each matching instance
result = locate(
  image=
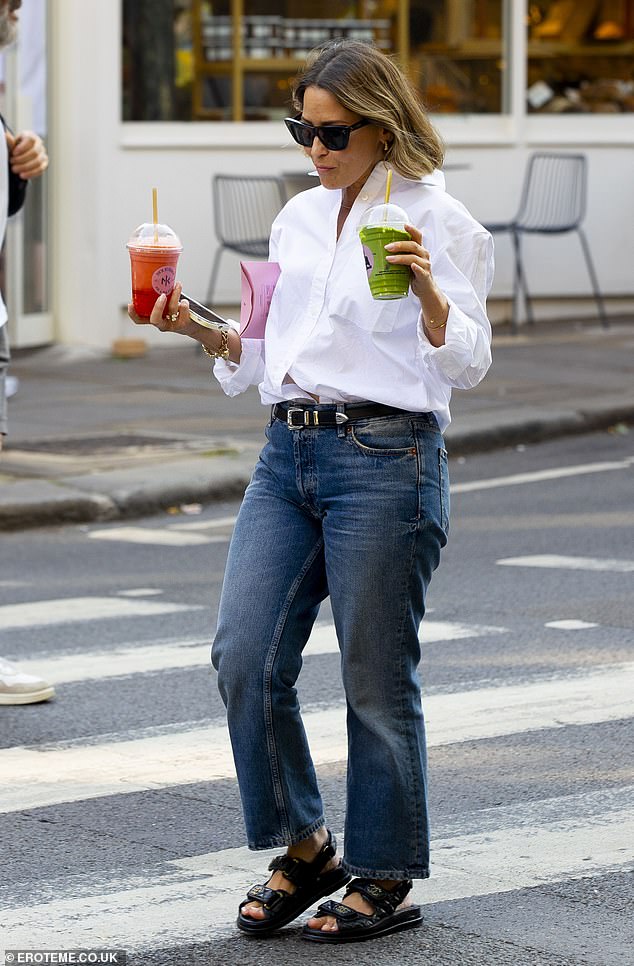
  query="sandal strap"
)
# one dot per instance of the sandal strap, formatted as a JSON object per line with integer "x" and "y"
{"x": 341, "y": 913}
{"x": 299, "y": 871}
{"x": 271, "y": 899}
{"x": 384, "y": 901}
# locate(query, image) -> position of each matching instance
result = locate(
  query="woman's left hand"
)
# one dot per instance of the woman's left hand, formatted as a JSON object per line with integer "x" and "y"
{"x": 415, "y": 255}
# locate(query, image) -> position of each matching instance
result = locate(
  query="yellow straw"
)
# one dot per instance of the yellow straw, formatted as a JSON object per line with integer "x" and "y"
{"x": 155, "y": 213}
{"x": 388, "y": 186}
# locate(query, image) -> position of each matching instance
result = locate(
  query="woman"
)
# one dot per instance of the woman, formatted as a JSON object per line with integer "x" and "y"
{"x": 350, "y": 496}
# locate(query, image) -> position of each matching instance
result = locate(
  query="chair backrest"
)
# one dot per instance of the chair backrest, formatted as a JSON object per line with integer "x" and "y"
{"x": 554, "y": 193}
{"x": 244, "y": 210}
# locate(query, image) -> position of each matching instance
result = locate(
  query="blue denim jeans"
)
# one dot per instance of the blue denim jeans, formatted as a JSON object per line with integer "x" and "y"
{"x": 359, "y": 513}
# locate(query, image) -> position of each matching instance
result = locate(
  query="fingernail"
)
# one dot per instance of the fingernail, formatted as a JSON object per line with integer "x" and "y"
{"x": 391, "y": 246}
{"x": 162, "y": 297}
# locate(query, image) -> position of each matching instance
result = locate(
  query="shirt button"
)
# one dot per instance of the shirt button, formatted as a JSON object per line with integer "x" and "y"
{"x": 364, "y": 197}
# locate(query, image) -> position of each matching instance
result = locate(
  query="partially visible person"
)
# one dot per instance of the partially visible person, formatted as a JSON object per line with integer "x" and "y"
{"x": 23, "y": 154}
{"x": 18, "y": 687}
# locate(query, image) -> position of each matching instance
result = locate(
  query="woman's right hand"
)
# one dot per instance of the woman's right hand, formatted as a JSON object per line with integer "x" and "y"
{"x": 168, "y": 317}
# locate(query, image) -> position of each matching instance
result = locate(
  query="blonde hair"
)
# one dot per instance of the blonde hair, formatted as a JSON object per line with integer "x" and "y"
{"x": 369, "y": 83}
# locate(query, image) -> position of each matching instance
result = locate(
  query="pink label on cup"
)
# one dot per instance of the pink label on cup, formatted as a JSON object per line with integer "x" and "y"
{"x": 163, "y": 279}
{"x": 369, "y": 259}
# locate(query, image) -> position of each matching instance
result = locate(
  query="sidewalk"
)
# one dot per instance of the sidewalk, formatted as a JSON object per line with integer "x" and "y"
{"x": 96, "y": 438}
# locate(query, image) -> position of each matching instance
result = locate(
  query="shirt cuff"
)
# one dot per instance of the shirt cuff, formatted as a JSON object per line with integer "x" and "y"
{"x": 465, "y": 357}
{"x": 235, "y": 378}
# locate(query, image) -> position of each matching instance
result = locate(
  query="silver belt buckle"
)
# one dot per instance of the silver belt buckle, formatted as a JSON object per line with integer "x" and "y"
{"x": 289, "y": 413}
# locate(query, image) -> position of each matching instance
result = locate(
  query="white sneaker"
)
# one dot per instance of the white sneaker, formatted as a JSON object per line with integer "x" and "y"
{"x": 16, "y": 687}
{"x": 11, "y": 386}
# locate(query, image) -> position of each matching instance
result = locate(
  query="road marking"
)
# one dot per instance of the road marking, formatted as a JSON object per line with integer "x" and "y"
{"x": 570, "y": 625}
{"x": 140, "y": 592}
{"x": 34, "y": 777}
{"x": 194, "y": 899}
{"x": 159, "y": 538}
{"x": 70, "y": 610}
{"x": 541, "y": 476}
{"x": 323, "y": 639}
{"x": 554, "y": 561}
{"x": 180, "y": 654}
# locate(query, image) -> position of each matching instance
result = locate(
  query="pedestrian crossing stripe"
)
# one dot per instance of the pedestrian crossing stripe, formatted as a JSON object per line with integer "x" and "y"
{"x": 195, "y": 899}
{"x": 552, "y": 561}
{"x": 70, "y": 610}
{"x": 35, "y": 777}
{"x": 194, "y": 652}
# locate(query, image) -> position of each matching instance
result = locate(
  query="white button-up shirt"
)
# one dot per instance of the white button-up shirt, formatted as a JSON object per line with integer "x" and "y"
{"x": 328, "y": 337}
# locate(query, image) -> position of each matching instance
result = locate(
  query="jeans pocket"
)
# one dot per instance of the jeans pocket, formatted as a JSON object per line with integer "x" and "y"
{"x": 383, "y": 437}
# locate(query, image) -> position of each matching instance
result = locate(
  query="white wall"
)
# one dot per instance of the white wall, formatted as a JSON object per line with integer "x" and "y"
{"x": 102, "y": 173}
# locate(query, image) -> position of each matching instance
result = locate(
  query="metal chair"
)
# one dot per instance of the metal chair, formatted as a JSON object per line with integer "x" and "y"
{"x": 553, "y": 202}
{"x": 244, "y": 210}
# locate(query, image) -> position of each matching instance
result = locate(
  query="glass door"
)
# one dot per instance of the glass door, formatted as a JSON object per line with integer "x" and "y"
{"x": 24, "y": 273}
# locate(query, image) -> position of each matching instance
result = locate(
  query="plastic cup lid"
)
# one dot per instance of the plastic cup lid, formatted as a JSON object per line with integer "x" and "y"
{"x": 389, "y": 214}
{"x": 149, "y": 235}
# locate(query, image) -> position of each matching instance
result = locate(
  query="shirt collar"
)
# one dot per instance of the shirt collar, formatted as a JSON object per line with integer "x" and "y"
{"x": 373, "y": 190}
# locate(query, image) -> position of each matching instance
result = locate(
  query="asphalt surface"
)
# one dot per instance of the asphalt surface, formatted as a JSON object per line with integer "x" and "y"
{"x": 532, "y": 815}
{"x": 93, "y": 437}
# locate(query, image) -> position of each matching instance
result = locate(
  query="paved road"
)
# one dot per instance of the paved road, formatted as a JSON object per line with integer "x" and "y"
{"x": 119, "y": 802}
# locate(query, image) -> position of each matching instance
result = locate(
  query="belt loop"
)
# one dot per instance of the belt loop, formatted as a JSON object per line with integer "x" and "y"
{"x": 341, "y": 427}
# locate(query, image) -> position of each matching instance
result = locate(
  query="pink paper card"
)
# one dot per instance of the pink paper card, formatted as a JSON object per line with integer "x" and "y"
{"x": 257, "y": 281}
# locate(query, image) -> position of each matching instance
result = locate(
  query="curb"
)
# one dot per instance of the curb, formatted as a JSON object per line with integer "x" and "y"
{"x": 537, "y": 430}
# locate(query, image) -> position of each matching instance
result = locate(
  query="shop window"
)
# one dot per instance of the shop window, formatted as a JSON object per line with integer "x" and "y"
{"x": 458, "y": 56}
{"x": 224, "y": 60}
{"x": 581, "y": 57}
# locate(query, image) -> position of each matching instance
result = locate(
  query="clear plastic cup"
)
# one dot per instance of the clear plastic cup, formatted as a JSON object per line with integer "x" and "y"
{"x": 381, "y": 225}
{"x": 154, "y": 253}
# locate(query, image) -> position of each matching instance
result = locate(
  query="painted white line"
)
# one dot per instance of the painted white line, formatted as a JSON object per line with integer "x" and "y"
{"x": 140, "y": 659}
{"x": 570, "y": 625}
{"x": 194, "y": 899}
{"x": 70, "y": 610}
{"x": 35, "y": 777}
{"x": 140, "y": 592}
{"x": 554, "y": 561}
{"x": 159, "y": 538}
{"x": 119, "y": 661}
{"x": 323, "y": 639}
{"x": 541, "y": 476}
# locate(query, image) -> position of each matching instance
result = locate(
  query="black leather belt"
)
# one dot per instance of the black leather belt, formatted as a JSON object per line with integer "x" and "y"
{"x": 307, "y": 416}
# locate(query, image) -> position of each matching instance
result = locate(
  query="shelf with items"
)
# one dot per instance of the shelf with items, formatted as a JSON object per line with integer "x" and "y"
{"x": 228, "y": 49}
{"x": 580, "y": 21}
{"x": 580, "y": 57}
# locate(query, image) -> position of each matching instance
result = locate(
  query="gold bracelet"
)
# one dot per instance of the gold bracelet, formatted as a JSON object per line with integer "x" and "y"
{"x": 434, "y": 325}
{"x": 222, "y": 352}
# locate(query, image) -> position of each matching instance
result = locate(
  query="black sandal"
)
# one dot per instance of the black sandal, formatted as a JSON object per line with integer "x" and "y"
{"x": 282, "y": 907}
{"x": 353, "y": 926}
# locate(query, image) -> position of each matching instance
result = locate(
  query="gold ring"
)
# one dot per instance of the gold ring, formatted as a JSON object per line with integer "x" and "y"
{"x": 173, "y": 317}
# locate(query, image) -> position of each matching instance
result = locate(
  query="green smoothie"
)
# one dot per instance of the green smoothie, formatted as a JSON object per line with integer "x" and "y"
{"x": 387, "y": 281}
{"x": 378, "y": 227}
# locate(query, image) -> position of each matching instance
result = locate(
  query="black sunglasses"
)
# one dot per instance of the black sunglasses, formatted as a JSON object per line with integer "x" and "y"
{"x": 334, "y": 137}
